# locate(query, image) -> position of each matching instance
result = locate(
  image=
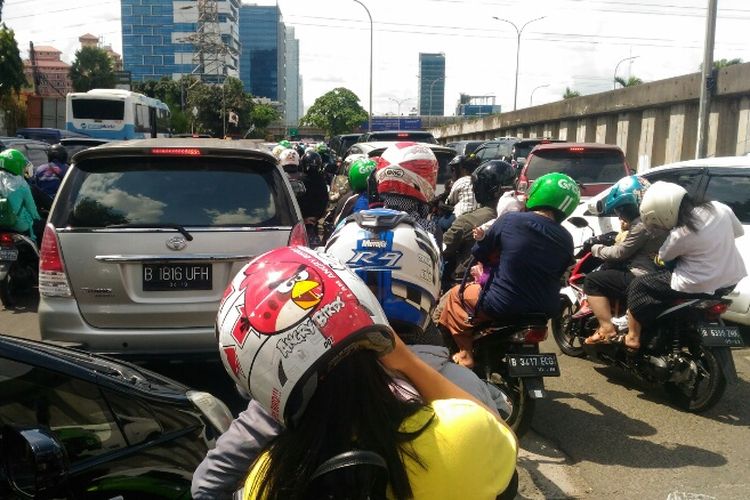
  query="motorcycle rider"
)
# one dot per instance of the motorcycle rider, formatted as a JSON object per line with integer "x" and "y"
{"x": 358, "y": 200}
{"x": 700, "y": 246}
{"x": 48, "y": 177}
{"x": 461, "y": 196}
{"x": 19, "y": 210}
{"x": 335, "y": 394}
{"x": 218, "y": 475}
{"x": 489, "y": 181}
{"x": 626, "y": 259}
{"x": 313, "y": 202}
{"x": 527, "y": 252}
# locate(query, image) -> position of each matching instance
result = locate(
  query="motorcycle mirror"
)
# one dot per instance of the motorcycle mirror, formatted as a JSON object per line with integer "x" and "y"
{"x": 579, "y": 222}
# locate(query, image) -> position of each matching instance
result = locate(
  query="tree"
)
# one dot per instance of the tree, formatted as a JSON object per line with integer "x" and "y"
{"x": 723, "y": 63}
{"x": 92, "y": 69}
{"x": 262, "y": 115}
{"x": 11, "y": 78}
{"x": 570, "y": 93}
{"x": 214, "y": 102}
{"x": 336, "y": 112}
{"x": 630, "y": 82}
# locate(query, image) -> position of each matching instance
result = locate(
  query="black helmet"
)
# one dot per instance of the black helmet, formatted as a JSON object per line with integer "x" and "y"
{"x": 57, "y": 153}
{"x": 456, "y": 163}
{"x": 300, "y": 148}
{"x": 491, "y": 179}
{"x": 311, "y": 162}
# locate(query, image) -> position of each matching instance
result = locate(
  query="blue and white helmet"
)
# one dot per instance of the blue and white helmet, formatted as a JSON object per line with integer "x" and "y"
{"x": 397, "y": 259}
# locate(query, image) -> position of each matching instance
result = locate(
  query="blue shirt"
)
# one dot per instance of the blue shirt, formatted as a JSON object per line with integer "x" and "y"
{"x": 362, "y": 203}
{"x": 528, "y": 254}
{"x": 49, "y": 176}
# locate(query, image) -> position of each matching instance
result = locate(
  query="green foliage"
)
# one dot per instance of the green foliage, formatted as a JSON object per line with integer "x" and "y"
{"x": 570, "y": 93}
{"x": 263, "y": 114}
{"x": 211, "y": 100}
{"x": 630, "y": 82}
{"x": 92, "y": 69}
{"x": 336, "y": 112}
{"x": 11, "y": 66}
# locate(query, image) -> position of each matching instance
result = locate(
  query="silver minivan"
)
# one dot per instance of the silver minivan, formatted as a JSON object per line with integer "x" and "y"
{"x": 144, "y": 236}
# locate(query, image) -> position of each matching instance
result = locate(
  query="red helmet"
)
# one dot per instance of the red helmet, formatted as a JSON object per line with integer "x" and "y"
{"x": 287, "y": 318}
{"x": 408, "y": 168}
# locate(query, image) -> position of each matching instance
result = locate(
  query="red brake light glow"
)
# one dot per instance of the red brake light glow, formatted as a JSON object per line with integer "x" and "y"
{"x": 534, "y": 335}
{"x": 577, "y": 149}
{"x": 6, "y": 240}
{"x": 402, "y": 134}
{"x": 298, "y": 236}
{"x": 49, "y": 254}
{"x": 176, "y": 151}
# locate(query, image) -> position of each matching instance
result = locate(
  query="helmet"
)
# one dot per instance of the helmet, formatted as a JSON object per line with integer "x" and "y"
{"x": 311, "y": 162}
{"x": 456, "y": 163}
{"x": 13, "y": 161}
{"x": 300, "y": 149}
{"x": 359, "y": 172}
{"x": 625, "y": 195}
{"x": 276, "y": 151}
{"x": 289, "y": 157}
{"x": 555, "y": 191}
{"x": 398, "y": 260}
{"x": 321, "y": 148}
{"x": 58, "y": 153}
{"x": 661, "y": 205}
{"x": 410, "y": 169}
{"x": 287, "y": 318}
{"x": 285, "y": 144}
{"x": 491, "y": 179}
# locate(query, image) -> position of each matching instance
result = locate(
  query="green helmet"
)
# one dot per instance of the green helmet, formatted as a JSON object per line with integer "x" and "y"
{"x": 556, "y": 191}
{"x": 322, "y": 147}
{"x": 359, "y": 172}
{"x": 286, "y": 144}
{"x": 13, "y": 161}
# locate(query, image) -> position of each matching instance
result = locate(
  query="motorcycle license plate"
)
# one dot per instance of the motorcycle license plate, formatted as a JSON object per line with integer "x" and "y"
{"x": 9, "y": 254}
{"x": 533, "y": 365}
{"x": 721, "y": 336}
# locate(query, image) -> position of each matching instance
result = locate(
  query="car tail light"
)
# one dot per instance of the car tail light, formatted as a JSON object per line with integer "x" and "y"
{"x": 530, "y": 335}
{"x": 402, "y": 134}
{"x": 577, "y": 149}
{"x": 53, "y": 282}
{"x": 6, "y": 240}
{"x": 298, "y": 236}
{"x": 176, "y": 151}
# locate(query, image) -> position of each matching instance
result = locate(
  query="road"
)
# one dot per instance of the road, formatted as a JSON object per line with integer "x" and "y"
{"x": 601, "y": 433}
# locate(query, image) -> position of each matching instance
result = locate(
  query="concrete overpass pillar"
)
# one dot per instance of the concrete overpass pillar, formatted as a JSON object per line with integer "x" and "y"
{"x": 675, "y": 133}
{"x": 551, "y": 130}
{"x": 743, "y": 128}
{"x": 606, "y": 129}
{"x": 728, "y": 126}
{"x": 652, "y": 144}
{"x": 581, "y": 130}
{"x": 562, "y": 130}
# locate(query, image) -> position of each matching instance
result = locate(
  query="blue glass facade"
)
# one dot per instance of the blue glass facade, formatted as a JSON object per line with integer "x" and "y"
{"x": 261, "y": 63}
{"x": 431, "y": 84}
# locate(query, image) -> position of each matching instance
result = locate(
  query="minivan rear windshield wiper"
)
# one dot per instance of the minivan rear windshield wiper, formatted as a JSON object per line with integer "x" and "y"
{"x": 167, "y": 225}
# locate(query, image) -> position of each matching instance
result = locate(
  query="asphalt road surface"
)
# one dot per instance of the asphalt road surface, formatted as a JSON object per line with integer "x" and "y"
{"x": 601, "y": 433}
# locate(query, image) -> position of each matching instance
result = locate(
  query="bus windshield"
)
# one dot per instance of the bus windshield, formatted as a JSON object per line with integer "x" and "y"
{"x": 98, "y": 109}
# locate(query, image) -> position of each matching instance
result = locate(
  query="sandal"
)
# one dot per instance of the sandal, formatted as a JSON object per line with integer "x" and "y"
{"x": 597, "y": 338}
{"x": 620, "y": 339}
{"x": 463, "y": 358}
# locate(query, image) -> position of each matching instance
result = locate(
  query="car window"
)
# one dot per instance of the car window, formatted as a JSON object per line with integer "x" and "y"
{"x": 138, "y": 422}
{"x": 74, "y": 410}
{"x": 684, "y": 178}
{"x": 733, "y": 190}
{"x": 36, "y": 154}
{"x": 471, "y": 147}
{"x": 185, "y": 191}
{"x": 487, "y": 153}
{"x": 591, "y": 166}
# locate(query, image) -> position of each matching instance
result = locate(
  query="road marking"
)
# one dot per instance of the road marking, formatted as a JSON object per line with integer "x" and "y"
{"x": 545, "y": 472}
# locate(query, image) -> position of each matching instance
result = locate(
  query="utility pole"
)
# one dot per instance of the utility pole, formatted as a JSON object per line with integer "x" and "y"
{"x": 708, "y": 81}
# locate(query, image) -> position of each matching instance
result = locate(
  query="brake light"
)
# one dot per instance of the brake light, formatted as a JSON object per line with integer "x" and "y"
{"x": 6, "y": 240}
{"x": 531, "y": 335}
{"x": 53, "y": 282}
{"x": 577, "y": 149}
{"x": 716, "y": 310}
{"x": 176, "y": 151}
{"x": 298, "y": 236}
{"x": 402, "y": 134}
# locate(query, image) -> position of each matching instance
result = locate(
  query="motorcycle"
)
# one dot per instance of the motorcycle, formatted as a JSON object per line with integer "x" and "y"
{"x": 19, "y": 265}
{"x": 686, "y": 350}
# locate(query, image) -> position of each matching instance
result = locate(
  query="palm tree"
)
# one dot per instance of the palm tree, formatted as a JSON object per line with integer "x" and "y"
{"x": 630, "y": 82}
{"x": 569, "y": 93}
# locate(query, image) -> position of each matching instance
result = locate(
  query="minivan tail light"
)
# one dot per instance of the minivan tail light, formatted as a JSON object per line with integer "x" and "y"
{"x": 6, "y": 240}
{"x": 298, "y": 236}
{"x": 577, "y": 149}
{"x": 53, "y": 282}
{"x": 176, "y": 151}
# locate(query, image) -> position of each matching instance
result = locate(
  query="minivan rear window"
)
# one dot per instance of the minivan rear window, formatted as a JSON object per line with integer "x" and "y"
{"x": 187, "y": 191}
{"x": 588, "y": 166}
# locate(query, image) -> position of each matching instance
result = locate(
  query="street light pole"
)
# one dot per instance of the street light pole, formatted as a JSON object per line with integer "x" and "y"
{"x": 707, "y": 82}
{"x": 518, "y": 50}
{"x": 399, "y": 102}
{"x": 531, "y": 99}
{"x": 617, "y": 66}
{"x": 369, "y": 121}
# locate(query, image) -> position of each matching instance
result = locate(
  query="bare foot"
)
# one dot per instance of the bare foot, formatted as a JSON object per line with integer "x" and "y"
{"x": 464, "y": 358}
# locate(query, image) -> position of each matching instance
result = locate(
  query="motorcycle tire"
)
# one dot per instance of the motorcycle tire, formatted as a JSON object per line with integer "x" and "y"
{"x": 714, "y": 384}
{"x": 522, "y": 410}
{"x": 5, "y": 296}
{"x": 562, "y": 330}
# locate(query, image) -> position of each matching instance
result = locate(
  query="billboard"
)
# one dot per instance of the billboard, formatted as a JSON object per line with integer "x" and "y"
{"x": 395, "y": 123}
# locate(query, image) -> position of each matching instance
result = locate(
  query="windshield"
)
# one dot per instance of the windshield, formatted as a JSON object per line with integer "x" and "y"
{"x": 589, "y": 166}
{"x": 98, "y": 109}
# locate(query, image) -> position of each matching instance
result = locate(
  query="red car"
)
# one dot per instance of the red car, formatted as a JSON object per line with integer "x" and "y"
{"x": 594, "y": 166}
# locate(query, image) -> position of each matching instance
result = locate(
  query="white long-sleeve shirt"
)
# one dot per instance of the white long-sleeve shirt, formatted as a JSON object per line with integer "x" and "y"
{"x": 707, "y": 258}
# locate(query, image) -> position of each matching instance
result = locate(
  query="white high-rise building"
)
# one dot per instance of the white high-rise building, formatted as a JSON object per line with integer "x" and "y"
{"x": 293, "y": 81}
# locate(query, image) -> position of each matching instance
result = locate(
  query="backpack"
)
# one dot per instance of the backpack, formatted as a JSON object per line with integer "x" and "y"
{"x": 8, "y": 218}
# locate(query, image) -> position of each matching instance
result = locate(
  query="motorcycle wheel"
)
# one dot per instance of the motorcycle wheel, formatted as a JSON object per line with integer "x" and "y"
{"x": 706, "y": 389}
{"x": 5, "y": 296}
{"x": 518, "y": 408}
{"x": 562, "y": 329}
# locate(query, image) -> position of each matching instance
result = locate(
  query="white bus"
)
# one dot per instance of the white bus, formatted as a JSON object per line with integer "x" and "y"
{"x": 116, "y": 114}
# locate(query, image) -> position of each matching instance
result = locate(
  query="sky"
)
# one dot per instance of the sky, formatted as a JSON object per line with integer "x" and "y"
{"x": 577, "y": 44}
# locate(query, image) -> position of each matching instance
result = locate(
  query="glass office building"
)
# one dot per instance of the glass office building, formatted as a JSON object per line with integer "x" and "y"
{"x": 293, "y": 103}
{"x": 431, "y": 84}
{"x": 262, "y": 63}
{"x": 154, "y": 41}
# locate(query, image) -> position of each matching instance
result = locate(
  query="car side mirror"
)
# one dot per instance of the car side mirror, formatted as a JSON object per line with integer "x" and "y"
{"x": 35, "y": 461}
{"x": 578, "y": 222}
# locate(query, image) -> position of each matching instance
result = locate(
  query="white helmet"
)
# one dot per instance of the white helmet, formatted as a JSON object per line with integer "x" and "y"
{"x": 287, "y": 318}
{"x": 661, "y": 205}
{"x": 397, "y": 259}
{"x": 276, "y": 151}
{"x": 289, "y": 157}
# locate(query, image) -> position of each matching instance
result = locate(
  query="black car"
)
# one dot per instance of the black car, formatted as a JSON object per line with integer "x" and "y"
{"x": 35, "y": 151}
{"x": 340, "y": 143}
{"x": 77, "y": 425}
{"x": 496, "y": 149}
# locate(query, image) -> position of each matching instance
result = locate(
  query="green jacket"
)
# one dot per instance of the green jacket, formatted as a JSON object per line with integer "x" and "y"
{"x": 18, "y": 193}
{"x": 458, "y": 241}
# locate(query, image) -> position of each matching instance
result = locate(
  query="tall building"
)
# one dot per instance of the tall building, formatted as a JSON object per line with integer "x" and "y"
{"x": 293, "y": 90}
{"x": 262, "y": 63}
{"x": 431, "y": 84}
{"x": 159, "y": 38}
{"x": 52, "y": 73}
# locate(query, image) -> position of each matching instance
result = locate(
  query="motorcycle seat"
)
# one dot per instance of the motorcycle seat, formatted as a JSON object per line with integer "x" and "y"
{"x": 501, "y": 322}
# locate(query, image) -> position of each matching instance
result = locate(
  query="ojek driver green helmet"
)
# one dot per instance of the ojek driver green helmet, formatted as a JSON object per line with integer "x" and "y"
{"x": 13, "y": 161}
{"x": 359, "y": 172}
{"x": 554, "y": 191}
